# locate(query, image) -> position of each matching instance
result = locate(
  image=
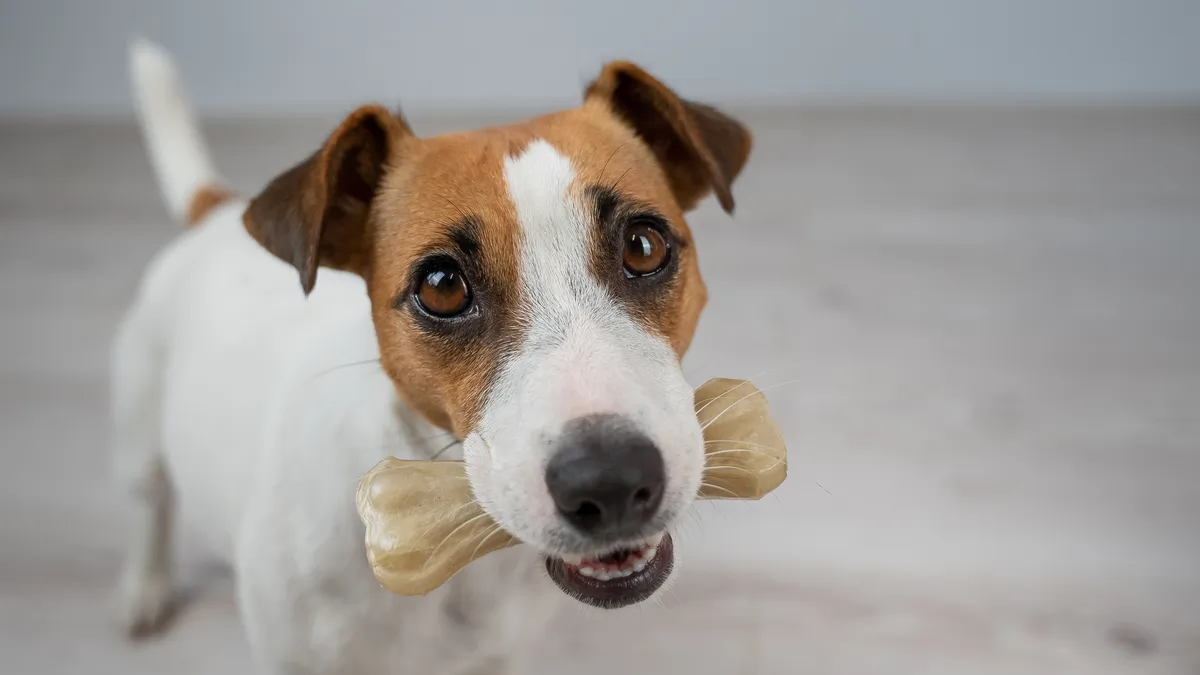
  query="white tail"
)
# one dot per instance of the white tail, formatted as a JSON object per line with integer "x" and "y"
{"x": 177, "y": 150}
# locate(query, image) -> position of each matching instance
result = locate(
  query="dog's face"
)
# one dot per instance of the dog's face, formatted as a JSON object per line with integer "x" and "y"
{"x": 534, "y": 288}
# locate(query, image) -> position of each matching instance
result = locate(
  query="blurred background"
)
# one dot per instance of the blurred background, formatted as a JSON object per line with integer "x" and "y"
{"x": 966, "y": 256}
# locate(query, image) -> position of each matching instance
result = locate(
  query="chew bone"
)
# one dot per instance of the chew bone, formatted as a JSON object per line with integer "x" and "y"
{"x": 423, "y": 524}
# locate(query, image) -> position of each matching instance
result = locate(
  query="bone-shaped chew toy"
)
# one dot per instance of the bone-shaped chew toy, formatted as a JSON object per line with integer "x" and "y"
{"x": 423, "y": 524}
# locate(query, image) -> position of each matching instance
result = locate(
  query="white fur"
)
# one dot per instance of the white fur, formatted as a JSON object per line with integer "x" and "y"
{"x": 582, "y": 354}
{"x": 233, "y": 397}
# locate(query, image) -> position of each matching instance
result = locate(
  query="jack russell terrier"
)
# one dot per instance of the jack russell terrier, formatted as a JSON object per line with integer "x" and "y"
{"x": 529, "y": 289}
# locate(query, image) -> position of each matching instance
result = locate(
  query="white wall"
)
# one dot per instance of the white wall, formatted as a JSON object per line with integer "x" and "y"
{"x": 271, "y": 56}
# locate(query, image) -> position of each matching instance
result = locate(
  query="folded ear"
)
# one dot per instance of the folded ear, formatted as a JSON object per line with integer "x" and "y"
{"x": 316, "y": 212}
{"x": 701, "y": 149}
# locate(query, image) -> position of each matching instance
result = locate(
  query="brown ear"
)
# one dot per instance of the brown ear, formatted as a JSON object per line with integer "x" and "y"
{"x": 700, "y": 149}
{"x": 316, "y": 212}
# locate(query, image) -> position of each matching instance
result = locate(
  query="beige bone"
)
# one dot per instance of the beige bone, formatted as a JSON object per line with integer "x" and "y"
{"x": 423, "y": 524}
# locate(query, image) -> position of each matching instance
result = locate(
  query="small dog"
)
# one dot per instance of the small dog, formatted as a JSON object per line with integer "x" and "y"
{"x": 529, "y": 289}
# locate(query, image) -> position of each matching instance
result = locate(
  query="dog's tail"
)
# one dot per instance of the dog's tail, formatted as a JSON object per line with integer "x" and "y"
{"x": 190, "y": 184}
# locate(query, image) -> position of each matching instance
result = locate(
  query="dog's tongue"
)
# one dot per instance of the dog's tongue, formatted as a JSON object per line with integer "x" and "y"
{"x": 423, "y": 524}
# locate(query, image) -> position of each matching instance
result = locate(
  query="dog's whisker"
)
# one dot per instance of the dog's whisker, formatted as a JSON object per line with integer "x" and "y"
{"x": 352, "y": 364}
{"x": 673, "y": 594}
{"x": 450, "y": 515}
{"x": 761, "y": 390}
{"x": 751, "y": 451}
{"x": 491, "y": 533}
{"x": 402, "y": 444}
{"x": 615, "y": 186}
{"x": 439, "y": 433}
{"x": 449, "y": 536}
{"x": 610, "y": 157}
{"x": 718, "y": 398}
{"x": 441, "y": 452}
{"x": 484, "y": 537}
{"x": 732, "y": 494}
{"x": 735, "y": 403}
{"x": 746, "y": 471}
{"x": 456, "y": 208}
{"x": 657, "y": 599}
{"x": 774, "y": 369}
{"x": 748, "y": 380}
{"x": 740, "y": 444}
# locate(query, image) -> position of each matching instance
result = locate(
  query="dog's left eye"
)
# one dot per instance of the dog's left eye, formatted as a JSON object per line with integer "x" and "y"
{"x": 647, "y": 250}
{"x": 443, "y": 291}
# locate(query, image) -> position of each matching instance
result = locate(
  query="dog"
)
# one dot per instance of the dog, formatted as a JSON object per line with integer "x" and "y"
{"x": 528, "y": 290}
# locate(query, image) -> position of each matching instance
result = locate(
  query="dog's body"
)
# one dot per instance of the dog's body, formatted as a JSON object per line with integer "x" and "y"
{"x": 254, "y": 460}
{"x": 259, "y": 407}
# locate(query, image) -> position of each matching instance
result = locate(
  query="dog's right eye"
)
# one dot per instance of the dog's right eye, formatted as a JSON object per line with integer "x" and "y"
{"x": 443, "y": 291}
{"x": 646, "y": 252}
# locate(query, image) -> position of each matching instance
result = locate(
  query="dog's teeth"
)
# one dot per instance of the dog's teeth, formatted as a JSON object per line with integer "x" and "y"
{"x": 632, "y": 564}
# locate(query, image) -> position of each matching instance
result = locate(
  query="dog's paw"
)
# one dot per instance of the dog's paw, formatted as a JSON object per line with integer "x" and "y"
{"x": 144, "y": 603}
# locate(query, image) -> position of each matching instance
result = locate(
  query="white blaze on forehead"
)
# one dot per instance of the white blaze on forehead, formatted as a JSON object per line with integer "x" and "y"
{"x": 555, "y": 237}
{"x": 555, "y": 232}
{"x": 579, "y": 352}
{"x": 539, "y": 182}
{"x": 567, "y": 315}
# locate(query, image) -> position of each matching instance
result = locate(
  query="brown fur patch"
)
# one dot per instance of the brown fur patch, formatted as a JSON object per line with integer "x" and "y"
{"x": 444, "y": 368}
{"x": 427, "y": 201}
{"x": 701, "y": 148}
{"x": 205, "y": 200}
{"x": 316, "y": 213}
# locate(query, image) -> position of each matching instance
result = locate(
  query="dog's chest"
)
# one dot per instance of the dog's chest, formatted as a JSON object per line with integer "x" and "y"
{"x": 492, "y": 611}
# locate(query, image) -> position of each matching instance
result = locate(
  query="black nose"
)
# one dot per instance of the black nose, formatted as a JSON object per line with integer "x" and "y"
{"x": 607, "y": 477}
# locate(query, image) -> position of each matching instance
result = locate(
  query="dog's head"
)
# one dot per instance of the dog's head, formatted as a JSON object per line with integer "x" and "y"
{"x": 534, "y": 288}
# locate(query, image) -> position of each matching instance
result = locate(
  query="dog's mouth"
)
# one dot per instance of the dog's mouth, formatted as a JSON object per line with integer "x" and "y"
{"x": 619, "y": 578}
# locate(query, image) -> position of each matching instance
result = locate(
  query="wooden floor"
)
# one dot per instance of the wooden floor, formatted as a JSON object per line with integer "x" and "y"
{"x": 984, "y": 325}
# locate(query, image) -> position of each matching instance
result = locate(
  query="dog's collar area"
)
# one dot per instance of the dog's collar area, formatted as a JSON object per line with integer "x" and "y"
{"x": 619, "y": 578}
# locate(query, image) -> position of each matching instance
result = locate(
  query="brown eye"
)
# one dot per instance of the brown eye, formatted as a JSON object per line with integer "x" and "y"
{"x": 646, "y": 250}
{"x": 443, "y": 292}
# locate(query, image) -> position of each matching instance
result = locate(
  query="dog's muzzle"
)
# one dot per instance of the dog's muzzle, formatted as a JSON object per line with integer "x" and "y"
{"x": 607, "y": 480}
